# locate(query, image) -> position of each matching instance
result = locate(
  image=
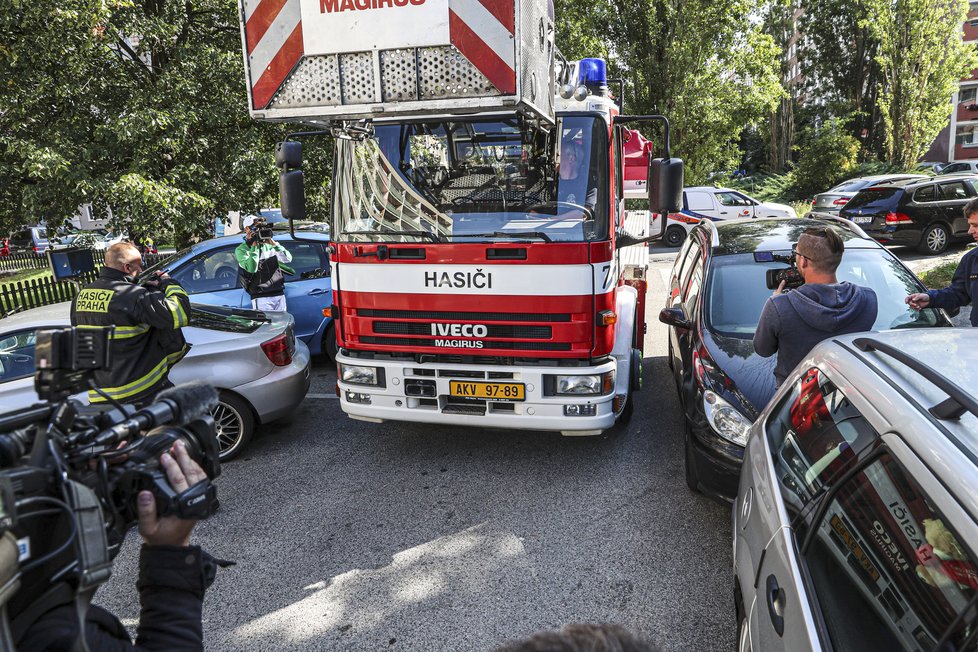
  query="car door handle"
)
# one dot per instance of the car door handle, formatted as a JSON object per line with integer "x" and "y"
{"x": 723, "y": 212}
{"x": 775, "y": 604}
{"x": 316, "y": 291}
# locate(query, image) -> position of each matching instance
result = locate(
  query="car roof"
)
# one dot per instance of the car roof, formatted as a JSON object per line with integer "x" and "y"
{"x": 907, "y": 184}
{"x": 54, "y": 314}
{"x": 711, "y": 188}
{"x": 777, "y": 234}
{"x": 952, "y": 353}
{"x": 238, "y": 238}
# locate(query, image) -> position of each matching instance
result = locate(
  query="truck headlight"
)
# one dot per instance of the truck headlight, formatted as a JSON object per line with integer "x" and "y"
{"x": 357, "y": 375}
{"x": 592, "y": 384}
{"x": 725, "y": 420}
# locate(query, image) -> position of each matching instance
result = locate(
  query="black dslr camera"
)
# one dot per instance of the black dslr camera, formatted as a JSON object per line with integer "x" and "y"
{"x": 791, "y": 276}
{"x": 68, "y": 491}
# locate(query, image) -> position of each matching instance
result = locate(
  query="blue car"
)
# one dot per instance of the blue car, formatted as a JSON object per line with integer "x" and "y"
{"x": 208, "y": 272}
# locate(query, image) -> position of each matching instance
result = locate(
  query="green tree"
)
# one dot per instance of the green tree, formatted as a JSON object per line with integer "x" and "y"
{"x": 705, "y": 64}
{"x": 922, "y": 57}
{"x": 136, "y": 104}
{"x": 829, "y": 155}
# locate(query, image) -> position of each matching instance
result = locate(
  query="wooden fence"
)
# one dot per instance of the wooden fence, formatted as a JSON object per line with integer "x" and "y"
{"x": 23, "y": 260}
{"x": 23, "y": 295}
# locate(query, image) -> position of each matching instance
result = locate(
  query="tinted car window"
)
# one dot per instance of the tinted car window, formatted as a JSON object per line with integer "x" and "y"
{"x": 888, "y": 571}
{"x": 927, "y": 193}
{"x": 688, "y": 263}
{"x": 17, "y": 355}
{"x": 953, "y": 190}
{"x": 211, "y": 271}
{"x": 736, "y": 291}
{"x": 955, "y": 167}
{"x": 849, "y": 186}
{"x": 307, "y": 258}
{"x": 876, "y": 199}
{"x": 814, "y": 436}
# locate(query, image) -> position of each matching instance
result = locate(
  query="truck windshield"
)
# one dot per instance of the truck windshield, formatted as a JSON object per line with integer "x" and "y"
{"x": 474, "y": 181}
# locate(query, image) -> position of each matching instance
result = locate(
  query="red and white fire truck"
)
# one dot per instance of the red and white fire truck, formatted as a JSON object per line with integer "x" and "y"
{"x": 483, "y": 270}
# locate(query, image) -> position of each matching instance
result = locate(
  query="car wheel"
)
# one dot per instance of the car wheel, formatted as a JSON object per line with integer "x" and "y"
{"x": 692, "y": 477}
{"x": 234, "y": 423}
{"x": 934, "y": 240}
{"x": 329, "y": 341}
{"x": 675, "y": 236}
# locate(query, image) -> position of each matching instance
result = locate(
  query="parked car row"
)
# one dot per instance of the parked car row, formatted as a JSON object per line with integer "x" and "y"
{"x": 855, "y": 520}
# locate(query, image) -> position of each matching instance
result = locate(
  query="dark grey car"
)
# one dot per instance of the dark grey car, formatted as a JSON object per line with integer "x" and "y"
{"x": 832, "y": 200}
{"x": 856, "y": 524}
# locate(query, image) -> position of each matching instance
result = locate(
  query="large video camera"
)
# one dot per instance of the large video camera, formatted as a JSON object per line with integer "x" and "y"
{"x": 70, "y": 475}
{"x": 260, "y": 230}
{"x": 791, "y": 276}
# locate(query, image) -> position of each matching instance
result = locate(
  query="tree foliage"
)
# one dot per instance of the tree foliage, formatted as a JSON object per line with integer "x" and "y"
{"x": 922, "y": 57}
{"x": 705, "y": 64}
{"x": 136, "y": 104}
{"x": 829, "y": 155}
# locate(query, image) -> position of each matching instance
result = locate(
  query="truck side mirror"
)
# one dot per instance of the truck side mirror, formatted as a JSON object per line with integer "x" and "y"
{"x": 665, "y": 185}
{"x": 292, "y": 191}
{"x": 288, "y": 154}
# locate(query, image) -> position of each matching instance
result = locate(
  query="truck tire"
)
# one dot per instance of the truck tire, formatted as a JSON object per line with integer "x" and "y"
{"x": 329, "y": 341}
{"x": 634, "y": 384}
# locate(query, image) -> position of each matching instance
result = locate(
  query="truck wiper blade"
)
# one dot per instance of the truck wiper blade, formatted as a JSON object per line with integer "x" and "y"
{"x": 506, "y": 234}
{"x": 420, "y": 234}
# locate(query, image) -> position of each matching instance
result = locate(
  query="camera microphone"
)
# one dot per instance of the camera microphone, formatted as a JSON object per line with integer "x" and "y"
{"x": 176, "y": 406}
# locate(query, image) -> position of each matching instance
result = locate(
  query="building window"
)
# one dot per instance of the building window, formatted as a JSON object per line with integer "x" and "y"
{"x": 967, "y": 95}
{"x": 966, "y": 136}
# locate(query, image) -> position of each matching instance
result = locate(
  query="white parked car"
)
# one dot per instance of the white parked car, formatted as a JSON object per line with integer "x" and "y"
{"x": 253, "y": 358}
{"x": 726, "y": 204}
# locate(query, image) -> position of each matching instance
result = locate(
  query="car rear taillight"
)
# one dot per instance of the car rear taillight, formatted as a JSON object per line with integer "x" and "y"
{"x": 898, "y": 218}
{"x": 278, "y": 350}
{"x": 841, "y": 201}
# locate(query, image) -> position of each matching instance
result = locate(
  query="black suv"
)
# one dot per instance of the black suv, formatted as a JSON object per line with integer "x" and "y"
{"x": 717, "y": 289}
{"x": 924, "y": 214}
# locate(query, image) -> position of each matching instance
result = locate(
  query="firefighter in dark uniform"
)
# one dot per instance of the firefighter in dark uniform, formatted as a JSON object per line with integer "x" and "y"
{"x": 964, "y": 284}
{"x": 147, "y": 340}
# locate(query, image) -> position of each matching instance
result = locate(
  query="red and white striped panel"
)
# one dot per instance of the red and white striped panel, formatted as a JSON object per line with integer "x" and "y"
{"x": 273, "y": 40}
{"x": 484, "y": 32}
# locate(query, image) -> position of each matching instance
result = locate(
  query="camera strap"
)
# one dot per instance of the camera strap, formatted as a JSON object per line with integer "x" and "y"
{"x": 94, "y": 562}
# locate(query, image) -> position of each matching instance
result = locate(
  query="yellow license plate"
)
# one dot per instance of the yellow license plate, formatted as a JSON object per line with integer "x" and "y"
{"x": 491, "y": 391}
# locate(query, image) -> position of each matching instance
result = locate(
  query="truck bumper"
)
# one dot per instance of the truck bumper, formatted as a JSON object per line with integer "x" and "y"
{"x": 400, "y": 398}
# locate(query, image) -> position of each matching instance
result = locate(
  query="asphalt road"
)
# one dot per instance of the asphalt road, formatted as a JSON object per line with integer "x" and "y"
{"x": 356, "y": 536}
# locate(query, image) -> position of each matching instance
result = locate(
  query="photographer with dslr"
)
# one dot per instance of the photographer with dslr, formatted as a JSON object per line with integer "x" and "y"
{"x": 263, "y": 264}
{"x": 793, "y": 322}
{"x": 147, "y": 318}
{"x": 173, "y": 576}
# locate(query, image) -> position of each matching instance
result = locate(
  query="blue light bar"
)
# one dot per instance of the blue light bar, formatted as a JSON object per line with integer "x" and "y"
{"x": 593, "y": 73}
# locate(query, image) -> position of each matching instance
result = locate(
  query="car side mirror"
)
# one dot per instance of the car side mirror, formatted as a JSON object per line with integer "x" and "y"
{"x": 675, "y": 317}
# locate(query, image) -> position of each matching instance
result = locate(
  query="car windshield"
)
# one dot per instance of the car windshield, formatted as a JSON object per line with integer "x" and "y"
{"x": 165, "y": 263}
{"x": 474, "y": 181}
{"x": 875, "y": 199}
{"x": 737, "y": 291}
{"x": 223, "y": 318}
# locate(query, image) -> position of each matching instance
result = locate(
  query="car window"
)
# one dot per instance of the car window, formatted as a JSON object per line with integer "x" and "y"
{"x": 17, "y": 355}
{"x": 688, "y": 264}
{"x": 736, "y": 291}
{"x": 888, "y": 571}
{"x": 955, "y": 167}
{"x": 875, "y": 199}
{"x": 927, "y": 193}
{"x": 849, "y": 186}
{"x": 730, "y": 199}
{"x": 693, "y": 290}
{"x": 699, "y": 201}
{"x": 308, "y": 258}
{"x": 210, "y": 271}
{"x": 814, "y": 436}
{"x": 953, "y": 190}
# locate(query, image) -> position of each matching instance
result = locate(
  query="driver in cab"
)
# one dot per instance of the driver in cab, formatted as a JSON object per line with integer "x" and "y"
{"x": 573, "y": 183}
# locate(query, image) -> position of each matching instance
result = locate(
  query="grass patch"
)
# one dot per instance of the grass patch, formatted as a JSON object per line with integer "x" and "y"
{"x": 802, "y": 208}
{"x": 939, "y": 277}
{"x": 25, "y": 275}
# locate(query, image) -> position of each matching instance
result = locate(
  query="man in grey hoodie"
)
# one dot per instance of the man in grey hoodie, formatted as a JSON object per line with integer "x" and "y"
{"x": 793, "y": 322}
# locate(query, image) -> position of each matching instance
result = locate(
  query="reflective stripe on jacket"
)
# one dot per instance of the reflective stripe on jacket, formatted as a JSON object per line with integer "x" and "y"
{"x": 147, "y": 340}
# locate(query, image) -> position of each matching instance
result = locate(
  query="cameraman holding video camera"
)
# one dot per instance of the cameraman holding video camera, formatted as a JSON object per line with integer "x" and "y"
{"x": 173, "y": 576}
{"x": 263, "y": 264}
{"x": 793, "y": 322}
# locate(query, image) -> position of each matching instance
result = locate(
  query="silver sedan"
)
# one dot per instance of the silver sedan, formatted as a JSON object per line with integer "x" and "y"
{"x": 253, "y": 358}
